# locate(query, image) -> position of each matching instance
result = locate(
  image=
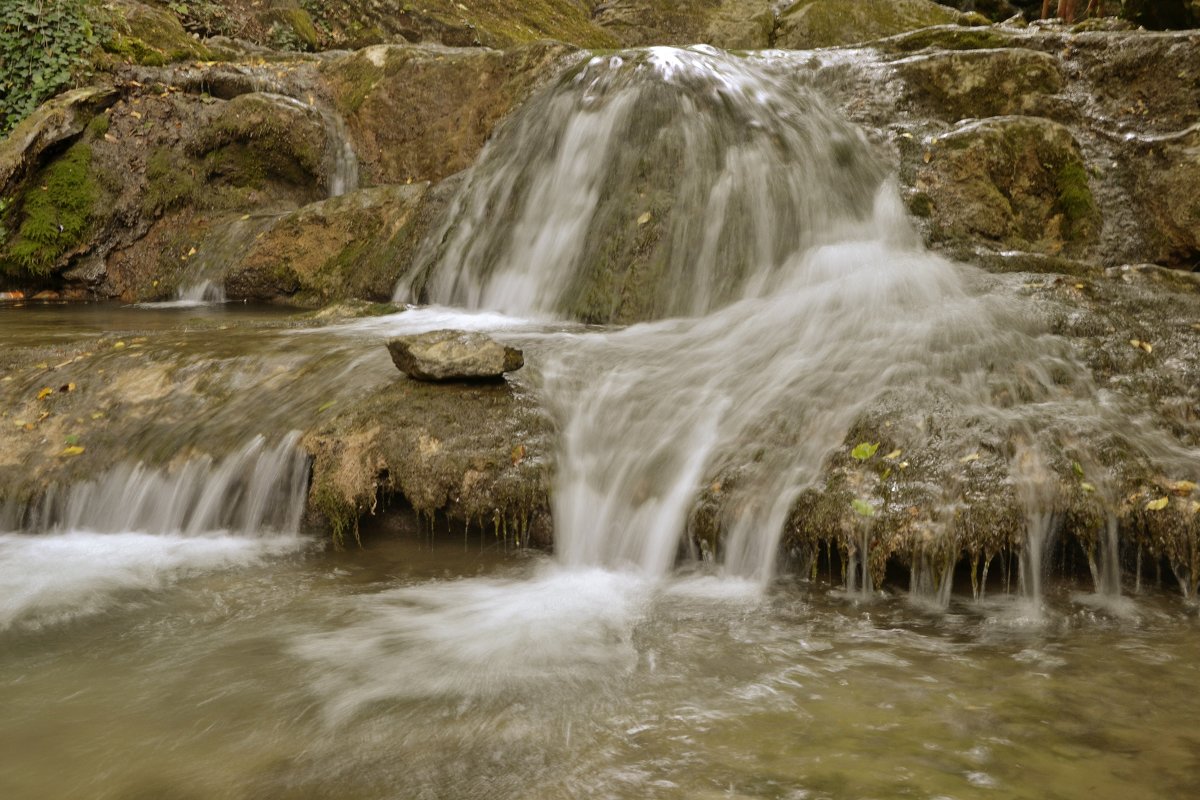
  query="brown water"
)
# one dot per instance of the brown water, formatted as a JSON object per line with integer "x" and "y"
{"x": 457, "y": 671}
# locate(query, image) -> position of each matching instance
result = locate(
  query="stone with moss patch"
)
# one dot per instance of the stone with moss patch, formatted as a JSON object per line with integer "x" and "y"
{"x": 809, "y": 24}
{"x": 984, "y": 83}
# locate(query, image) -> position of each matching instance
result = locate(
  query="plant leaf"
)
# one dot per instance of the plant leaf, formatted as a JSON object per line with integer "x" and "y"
{"x": 862, "y": 507}
{"x": 1158, "y": 505}
{"x": 864, "y": 450}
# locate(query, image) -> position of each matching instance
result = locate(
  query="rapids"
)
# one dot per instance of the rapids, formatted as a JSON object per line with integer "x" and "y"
{"x": 174, "y": 631}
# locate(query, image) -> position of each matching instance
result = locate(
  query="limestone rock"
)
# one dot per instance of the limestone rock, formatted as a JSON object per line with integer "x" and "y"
{"x": 55, "y": 122}
{"x": 983, "y": 83}
{"x": 450, "y": 355}
{"x": 417, "y": 114}
{"x": 729, "y": 24}
{"x": 1017, "y": 182}
{"x": 809, "y": 24}
{"x": 353, "y": 246}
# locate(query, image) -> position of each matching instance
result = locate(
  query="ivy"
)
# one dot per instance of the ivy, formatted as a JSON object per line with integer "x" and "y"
{"x": 42, "y": 44}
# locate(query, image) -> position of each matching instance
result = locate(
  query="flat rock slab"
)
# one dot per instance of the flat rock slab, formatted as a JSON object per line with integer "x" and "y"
{"x": 450, "y": 355}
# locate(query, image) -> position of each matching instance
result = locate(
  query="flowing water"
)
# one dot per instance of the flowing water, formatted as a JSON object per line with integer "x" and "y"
{"x": 168, "y": 629}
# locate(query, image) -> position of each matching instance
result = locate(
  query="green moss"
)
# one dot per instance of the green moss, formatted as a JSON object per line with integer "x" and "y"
{"x": 1075, "y": 199}
{"x": 352, "y": 80}
{"x": 170, "y": 182}
{"x": 56, "y": 213}
{"x": 98, "y": 126}
{"x": 949, "y": 39}
{"x": 302, "y": 25}
{"x": 921, "y": 205}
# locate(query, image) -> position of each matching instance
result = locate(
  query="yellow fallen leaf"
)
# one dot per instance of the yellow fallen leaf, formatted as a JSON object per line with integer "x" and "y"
{"x": 119, "y": 346}
{"x": 644, "y": 218}
{"x": 44, "y": 393}
{"x": 892, "y": 456}
{"x": 928, "y": 156}
{"x": 969, "y": 459}
{"x": 1146, "y": 346}
{"x": 1087, "y": 487}
{"x": 42, "y": 365}
{"x": 75, "y": 450}
{"x": 191, "y": 252}
{"x": 97, "y": 415}
{"x": 1157, "y": 505}
{"x": 135, "y": 114}
{"x": 1079, "y": 286}
{"x": 1182, "y": 487}
{"x": 108, "y": 137}
{"x": 518, "y": 454}
{"x": 903, "y": 465}
{"x": 906, "y": 135}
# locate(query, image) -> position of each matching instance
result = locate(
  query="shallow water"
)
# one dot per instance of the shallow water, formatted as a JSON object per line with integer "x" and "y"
{"x": 453, "y": 670}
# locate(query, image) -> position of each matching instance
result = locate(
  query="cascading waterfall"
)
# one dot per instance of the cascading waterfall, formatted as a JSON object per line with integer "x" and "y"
{"x": 137, "y": 528}
{"x": 779, "y": 228}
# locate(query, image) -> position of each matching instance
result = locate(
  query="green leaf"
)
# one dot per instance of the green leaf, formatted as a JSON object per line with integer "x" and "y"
{"x": 1077, "y": 468}
{"x": 862, "y": 507}
{"x": 864, "y": 450}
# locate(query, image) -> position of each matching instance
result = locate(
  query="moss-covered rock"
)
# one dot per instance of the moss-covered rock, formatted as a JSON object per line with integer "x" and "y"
{"x": 417, "y": 114}
{"x": 256, "y": 138}
{"x": 1008, "y": 182}
{"x": 354, "y": 246}
{"x": 477, "y": 453}
{"x": 984, "y": 83}
{"x": 729, "y": 24}
{"x": 808, "y": 24}
{"x": 151, "y": 36}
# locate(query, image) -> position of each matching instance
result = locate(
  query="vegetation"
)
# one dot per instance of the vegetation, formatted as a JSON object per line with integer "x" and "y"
{"x": 43, "y": 45}
{"x": 57, "y": 214}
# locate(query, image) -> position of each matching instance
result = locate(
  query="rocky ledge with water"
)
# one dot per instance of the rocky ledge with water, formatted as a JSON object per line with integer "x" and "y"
{"x": 1045, "y": 393}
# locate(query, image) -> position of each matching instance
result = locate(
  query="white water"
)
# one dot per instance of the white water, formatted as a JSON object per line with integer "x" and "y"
{"x": 139, "y": 529}
{"x": 812, "y": 292}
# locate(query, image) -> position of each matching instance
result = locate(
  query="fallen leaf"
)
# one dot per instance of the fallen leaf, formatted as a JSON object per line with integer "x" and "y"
{"x": 969, "y": 459}
{"x": 108, "y": 137}
{"x": 1077, "y": 468}
{"x": 1087, "y": 487}
{"x": 887, "y": 473}
{"x": 518, "y": 454}
{"x": 1079, "y": 286}
{"x": 73, "y": 451}
{"x": 864, "y": 450}
{"x": 644, "y": 218}
{"x": 928, "y": 156}
{"x": 191, "y": 252}
{"x": 1182, "y": 487}
{"x": 119, "y": 346}
{"x": 892, "y": 456}
{"x": 903, "y": 465}
{"x": 135, "y": 114}
{"x": 321, "y": 409}
{"x": 1157, "y": 505}
{"x": 44, "y": 393}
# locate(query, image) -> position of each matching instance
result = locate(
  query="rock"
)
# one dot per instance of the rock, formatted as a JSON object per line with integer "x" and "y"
{"x": 984, "y": 83}
{"x": 808, "y": 24}
{"x": 417, "y": 114}
{"x": 55, "y": 122}
{"x": 450, "y": 355}
{"x": 353, "y": 246}
{"x": 143, "y": 34}
{"x": 1166, "y": 176}
{"x": 1018, "y": 183}
{"x": 729, "y": 24}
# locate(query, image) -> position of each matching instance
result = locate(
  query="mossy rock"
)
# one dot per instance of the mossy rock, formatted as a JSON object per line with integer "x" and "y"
{"x": 52, "y": 216}
{"x": 729, "y": 24}
{"x": 150, "y": 36}
{"x": 948, "y": 37}
{"x": 1016, "y": 183}
{"x": 809, "y": 24}
{"x": 417, "y": 114}
{"x": 257, "y": 138}
{"x": 354, "y": 246}
{"x": 983, "y": 83}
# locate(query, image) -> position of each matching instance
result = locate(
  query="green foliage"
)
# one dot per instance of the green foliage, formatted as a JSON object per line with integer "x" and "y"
{"x": 56, "y": 213}
{"x": 42, "y": 44}
{"x": 862, "y": 508}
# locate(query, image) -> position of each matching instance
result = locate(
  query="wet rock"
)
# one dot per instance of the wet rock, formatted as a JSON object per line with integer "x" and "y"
{"x": 808, "y": 24}
{"x": 417, "y": 114}
{"x": 1167, "y": 174}
{"x": 1017, "y": 183}
{"x": 984, "y": 83}
{"x": 450, "y": 355}
{"x": 353, "y": 246}
{"x": 55, "y": 122}
{"x": 728, "y": 24}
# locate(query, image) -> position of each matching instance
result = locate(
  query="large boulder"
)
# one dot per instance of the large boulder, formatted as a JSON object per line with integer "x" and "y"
{"x": 809, "y": 24}
{"x": 54, "y": 123}
{"x": 1006, "y": 182}
{"x": 450, "y": 355}
{"x": 984, "y": 83}
{"x": 417, "y": 114}
{"x": 353, "y": 246}
{"x": 730, "y": 24}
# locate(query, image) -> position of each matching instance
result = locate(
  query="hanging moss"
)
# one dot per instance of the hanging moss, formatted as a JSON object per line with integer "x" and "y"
{"x": 56, "y": 213}
{"x": 1075, "y": 199}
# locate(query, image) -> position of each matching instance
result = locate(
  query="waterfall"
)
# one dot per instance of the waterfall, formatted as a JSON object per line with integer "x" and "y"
{"x": 793, "y": 286}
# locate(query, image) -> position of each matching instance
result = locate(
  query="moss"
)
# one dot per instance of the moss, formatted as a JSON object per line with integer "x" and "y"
{"x": 921, "y": 205}
{"x": 302, "y": 25}
{"x": 170, "y": 182}
{"x": 56, "y": 213}
{"x": 352, "y": 81}
{"x": 98, "y": 126}
{"x": 956, "y": 38}
{"x": 1075, "y": 199}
